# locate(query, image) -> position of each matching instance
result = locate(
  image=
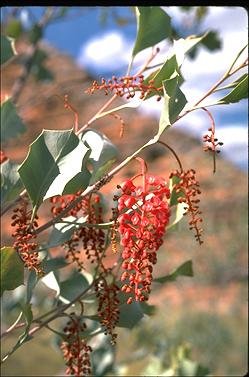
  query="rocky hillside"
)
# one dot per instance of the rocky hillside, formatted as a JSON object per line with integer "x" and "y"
{"x": 220, "y": 264}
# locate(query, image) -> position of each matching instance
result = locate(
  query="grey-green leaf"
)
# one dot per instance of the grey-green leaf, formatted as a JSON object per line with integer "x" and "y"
{"x": 12, "y": 269}
{"x": 54, "y": 158}
{"x": 73, "y": 286}
{"x": 153, "y": 25}
{"x": 186, "y": 269}
{"x": 130, "y": 315}
{"x": 7, "y": 48}
{"x": 11, "y": 184}
{"x": 233, "y": 84}
{"x": 103, "y": 154}
{"x": 174, "y": 102}
{"x": 238, "y": 93}
{"x": 53, "y": 264}
{"x": 11, "y": 124}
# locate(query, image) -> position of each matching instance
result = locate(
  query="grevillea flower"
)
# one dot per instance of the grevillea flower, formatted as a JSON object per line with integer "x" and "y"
{"x": 75, "y": 350}
{"x": 189, "y": 187}
{"x": 24, "y": 237}
{"x": 126, "y": 86}
{"x": 144, "y": 215}
{"x": 93, "y": 239}
{"x": 108, "y": 307}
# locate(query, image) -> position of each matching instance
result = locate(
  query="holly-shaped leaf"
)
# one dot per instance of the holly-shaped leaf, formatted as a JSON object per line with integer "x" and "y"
{"x": 12, "y": 269}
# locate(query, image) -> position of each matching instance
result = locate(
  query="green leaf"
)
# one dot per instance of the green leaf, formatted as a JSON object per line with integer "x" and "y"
{"x": 186, "y": 269}
{"x": 164, "y": 73}
{"x": 53, "y": 264}
{"x": 130, "y": 314}
{"x": 153, "y": 25}
{"x": 14, "y": 28}
{"x": 12, "y": 269}
{"x": 11, "y": 184}
{"x": 11, "y": 124}
{"x": 54, "y": 158}
{"x": 174, "y": 102}
{"x": 173, "y": 195}
{"x": 103, "y": 154}
{"x": 82, "y": 179}
{"x": 212, "y": 41}
{"x": 7, "y": 49}
{"x": 177, "y": 213}
{"x": 172, "y": 64}
{"x": 233, "y": 84}
{"x": 147, "y": 309}
{"x": 238, "y": 93}
{"x": 73, "y": 286}
{"x": 51, "y": 281}
{"x": 31, "y": 283}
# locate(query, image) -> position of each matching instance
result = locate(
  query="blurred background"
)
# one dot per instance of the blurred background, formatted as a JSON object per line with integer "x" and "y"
{"x": 202, "y": 320}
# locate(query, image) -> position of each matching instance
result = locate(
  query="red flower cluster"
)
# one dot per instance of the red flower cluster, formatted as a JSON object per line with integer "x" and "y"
{"x": 24, "y": 235}
{"x": 3, "y": 157}
{"x": 75, "y": 350}
{"x": 142, "y": 226}
{"x": 126, "y": 85}
{"x": 93, "y": 239}
{"x": 108, "y": 308}
{"x": 189, "y": 187}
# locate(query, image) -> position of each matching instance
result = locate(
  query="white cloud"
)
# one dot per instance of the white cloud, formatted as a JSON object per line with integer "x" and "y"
{"x": 109, "y": 51}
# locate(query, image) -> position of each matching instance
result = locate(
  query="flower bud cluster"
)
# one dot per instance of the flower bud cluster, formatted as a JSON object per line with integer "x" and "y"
{"x": 75, "y": 350}
{"x": 144, "y": 215}
{"x": 126, "y": 86}
{"x": 24, "y": 237}
{"x": 108, "y": 305}
{"x": 189, "y": 187}
{"x": 63, "y": 201}
{"x": 93, "y": 239}
{"x": 212, "y": 141}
